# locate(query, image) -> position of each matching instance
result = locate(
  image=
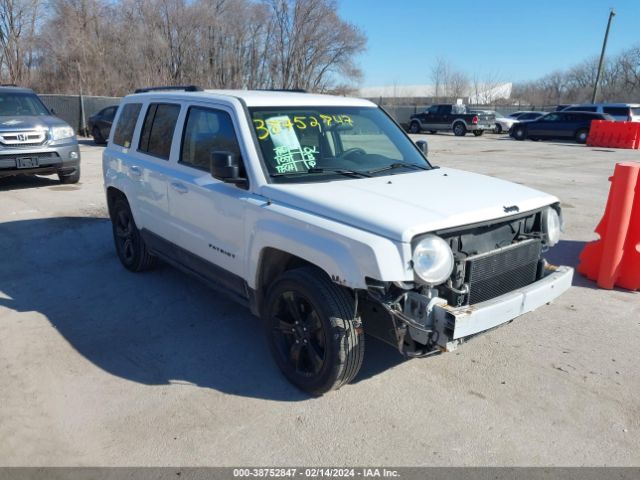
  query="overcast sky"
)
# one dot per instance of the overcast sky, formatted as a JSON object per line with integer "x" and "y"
{"x": 520, "y": 40}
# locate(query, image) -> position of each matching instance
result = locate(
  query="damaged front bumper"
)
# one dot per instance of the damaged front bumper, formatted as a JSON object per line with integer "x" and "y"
{"x": 430, "y": 321}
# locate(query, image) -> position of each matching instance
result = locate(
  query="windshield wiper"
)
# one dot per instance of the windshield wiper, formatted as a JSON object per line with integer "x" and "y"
{"x": 398, "y": 165}
{"x": 341, "y": 171}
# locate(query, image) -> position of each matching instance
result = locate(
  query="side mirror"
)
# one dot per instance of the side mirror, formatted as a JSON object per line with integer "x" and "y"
{"x": 225, "y": 166}
{"x": 423, "y": 146}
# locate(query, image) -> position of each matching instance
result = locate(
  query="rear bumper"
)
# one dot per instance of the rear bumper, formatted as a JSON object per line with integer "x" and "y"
{"x": 50, "y": 159}
{"x": 453, "y": 324}
{"x": 483, "y": 126}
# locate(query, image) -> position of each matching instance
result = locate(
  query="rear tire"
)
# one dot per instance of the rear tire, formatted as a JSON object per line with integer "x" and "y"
{"x": 314, "y": 337}
{"x": 130, "y": 247}
{"x": 582, "y": 135}
{"x": 415, "y": 127}
{"x": 478, "y": 133}
{"x": 498, "y": 128}
{"x": 433, "y": 132}
{"x": 459, "y": 130}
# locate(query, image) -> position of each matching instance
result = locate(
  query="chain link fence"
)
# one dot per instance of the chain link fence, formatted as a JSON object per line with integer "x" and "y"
{"x": 76, "y": 110}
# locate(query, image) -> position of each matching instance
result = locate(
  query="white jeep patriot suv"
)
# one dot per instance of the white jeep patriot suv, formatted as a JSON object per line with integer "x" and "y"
{"x": 327, "y": 221}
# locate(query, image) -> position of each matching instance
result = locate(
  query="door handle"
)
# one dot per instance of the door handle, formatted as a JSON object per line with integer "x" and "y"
{"x": 179, "y": 187}
{"x": 135, "y": 171}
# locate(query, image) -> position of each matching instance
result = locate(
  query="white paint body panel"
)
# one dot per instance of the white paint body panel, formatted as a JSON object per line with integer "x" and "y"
{"x": 402, "y": 206}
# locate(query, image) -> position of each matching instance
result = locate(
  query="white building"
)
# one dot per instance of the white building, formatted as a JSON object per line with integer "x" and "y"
{"x": 479, "y": 94}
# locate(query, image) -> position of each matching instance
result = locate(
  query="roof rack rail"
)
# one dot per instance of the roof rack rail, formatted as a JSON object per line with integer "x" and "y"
{"x": 185, "y": 88}
{"x": 8, "y": 85}
{"x": 294, "y": 90}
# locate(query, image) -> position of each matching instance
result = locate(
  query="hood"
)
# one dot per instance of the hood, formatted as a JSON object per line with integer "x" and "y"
{"x": 32, "y": 122}
{"x": 402, "y": 206}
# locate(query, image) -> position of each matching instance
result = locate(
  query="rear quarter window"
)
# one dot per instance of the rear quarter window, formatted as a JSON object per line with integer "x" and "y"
{"x": 616, "y": 111}
{"x": 126, "y": 124}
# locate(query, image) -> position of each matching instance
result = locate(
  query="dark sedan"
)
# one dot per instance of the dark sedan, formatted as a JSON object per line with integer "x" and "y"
{"x": 100, "y": 124}
{"x": 558, "y": 125}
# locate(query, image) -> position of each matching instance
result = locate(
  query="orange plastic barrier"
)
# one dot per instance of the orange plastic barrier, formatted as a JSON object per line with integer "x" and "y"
{"x": 614, "y": 134}
{"x": 615, "y": 258}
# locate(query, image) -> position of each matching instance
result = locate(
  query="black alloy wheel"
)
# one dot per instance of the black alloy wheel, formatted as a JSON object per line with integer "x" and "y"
{"x": 315, "y": 337}
{"x": 130, "y": 247}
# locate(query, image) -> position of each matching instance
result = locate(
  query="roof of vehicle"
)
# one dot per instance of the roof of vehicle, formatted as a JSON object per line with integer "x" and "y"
{"x": 584, "y": 114}
{"x": 632, "y": 105}
{"x": 15, "y": 89}
{"x": 266, "y": 98}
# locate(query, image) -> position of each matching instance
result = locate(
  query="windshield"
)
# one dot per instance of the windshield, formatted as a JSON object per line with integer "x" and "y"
{"x": 311, "y": 144}
{"x": 14, "y": 104}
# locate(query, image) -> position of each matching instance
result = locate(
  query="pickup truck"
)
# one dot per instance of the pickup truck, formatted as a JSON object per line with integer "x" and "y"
{"x": 319, "y": 214}
{"x": 447, "y": 117}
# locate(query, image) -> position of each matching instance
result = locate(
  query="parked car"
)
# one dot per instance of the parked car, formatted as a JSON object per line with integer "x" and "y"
{"x": 622, "y": 112}
{"x": 323, "y": 217}
{"x": 502, "y": 123}
{"x": 559, "y": 125}
{"x": 33, "y": 140}
{"x": 526, "y": 115}
{"x": 100, "y": 124}
{"x": 448, "y": 117}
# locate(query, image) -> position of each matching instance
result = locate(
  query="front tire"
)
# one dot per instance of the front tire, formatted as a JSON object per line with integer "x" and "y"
{"x": 519, "y": 133}
{"x": 98, "y": 139}
{"x": 130, "y": 247}
{"x": 459, "y": 130}
{"x": 314, "y": 336}
{"x": 415, "y": 127}
{"x": 68, "y": 178}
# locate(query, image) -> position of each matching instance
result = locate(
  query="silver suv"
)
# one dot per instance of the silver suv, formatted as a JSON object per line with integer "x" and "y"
{"x": 622, "y": 112}
{"x": 32, "y": 140}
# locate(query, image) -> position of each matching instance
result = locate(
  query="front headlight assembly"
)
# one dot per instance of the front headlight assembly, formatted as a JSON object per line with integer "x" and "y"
{"x": 433, "y": 260}
{"x": 551, "y": 225}
{"x": 60, "y": 133}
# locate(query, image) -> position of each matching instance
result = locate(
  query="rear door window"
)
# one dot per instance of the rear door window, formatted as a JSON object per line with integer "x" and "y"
{"x": 157, "y": 132}
{"x": 126, "y": 124}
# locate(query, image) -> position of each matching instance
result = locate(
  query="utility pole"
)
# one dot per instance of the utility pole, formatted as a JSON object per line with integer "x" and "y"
{"x": 612, "y": 14}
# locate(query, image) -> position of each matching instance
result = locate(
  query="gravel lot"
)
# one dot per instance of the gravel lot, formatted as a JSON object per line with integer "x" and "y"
{"x": 100, "y": 366}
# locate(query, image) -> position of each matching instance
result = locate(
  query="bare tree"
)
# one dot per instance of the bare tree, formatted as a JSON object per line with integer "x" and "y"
{"x": 17, "y": 32}
{"x": 440, "y": 72}
{"x": 312, "y": 45}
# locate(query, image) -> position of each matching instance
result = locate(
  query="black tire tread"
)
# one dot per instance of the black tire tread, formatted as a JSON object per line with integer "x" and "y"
{"x": 337, "y": 299}
{"x": 70, "y": 178}
{"x": 145, "y": 259}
